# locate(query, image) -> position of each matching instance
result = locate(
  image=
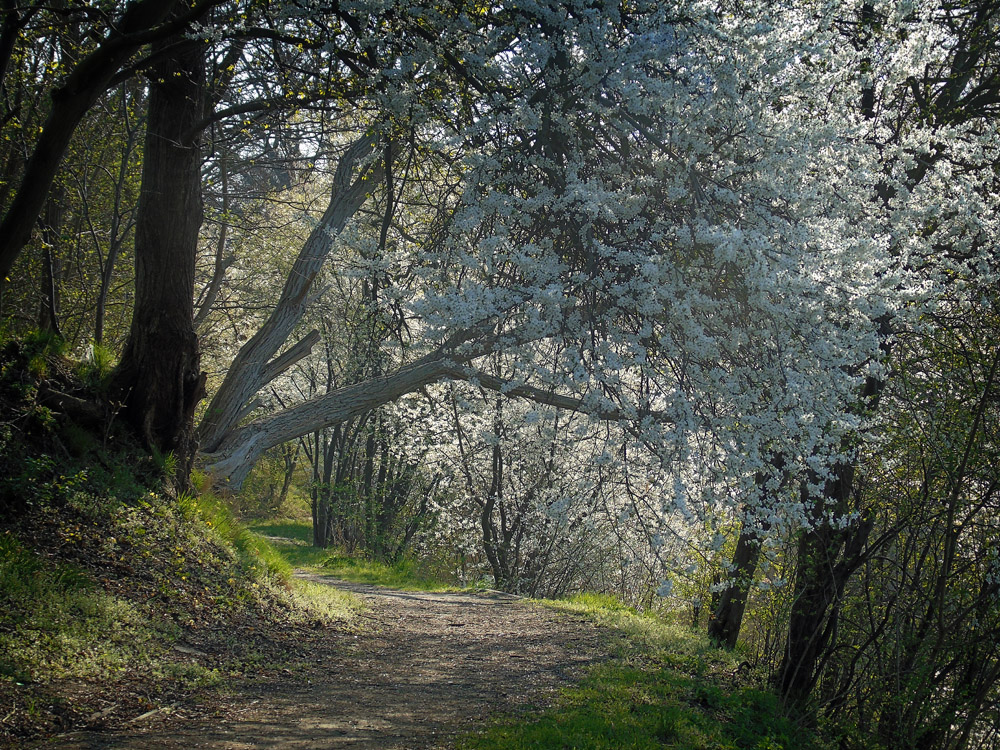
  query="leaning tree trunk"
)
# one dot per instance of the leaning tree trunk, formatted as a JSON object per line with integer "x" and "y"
{"x": 158, "y": 379}
{"x": 258, "y": 361}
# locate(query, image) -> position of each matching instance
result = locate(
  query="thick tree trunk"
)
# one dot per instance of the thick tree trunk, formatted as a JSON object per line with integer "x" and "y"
{"x": 235, "y": 456}
{"x": 244, "y": 445}
{"x": 158, "y": 379}
{"x": 140, "y": 24}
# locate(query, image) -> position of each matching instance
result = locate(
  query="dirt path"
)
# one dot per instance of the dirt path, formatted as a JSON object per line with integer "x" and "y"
{"x": 421, "y": 669}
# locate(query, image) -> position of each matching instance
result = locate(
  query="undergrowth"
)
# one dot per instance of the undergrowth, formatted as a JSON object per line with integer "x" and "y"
{"x": 116, "y": 594}
{"x": 664, "y": 687}
{"x": 55, "y": 622}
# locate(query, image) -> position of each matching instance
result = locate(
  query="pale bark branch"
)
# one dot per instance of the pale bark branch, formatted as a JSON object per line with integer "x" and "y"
{"x": 251, "y": 369}
{"x": 294, "y": 354}
{"x": 547, "y": 397}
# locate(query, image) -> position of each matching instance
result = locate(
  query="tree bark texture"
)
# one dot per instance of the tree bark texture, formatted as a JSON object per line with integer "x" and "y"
{"x": 158, "y": 379}
{"x": 256, "y": 365}
{"x": 241, "y": 446}
{"x": 141, "y": 23}
{"x": 244, "y": 445}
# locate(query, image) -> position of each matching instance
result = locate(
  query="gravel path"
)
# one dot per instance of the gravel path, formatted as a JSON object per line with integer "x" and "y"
{"x": 421, "y": 669}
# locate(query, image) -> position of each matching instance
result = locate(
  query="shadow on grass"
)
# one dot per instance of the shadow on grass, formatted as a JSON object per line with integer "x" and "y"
{"x": 666, "y": 687}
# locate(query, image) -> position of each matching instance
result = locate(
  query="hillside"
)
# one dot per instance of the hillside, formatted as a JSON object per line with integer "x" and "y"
{"x": 110, "y": 580}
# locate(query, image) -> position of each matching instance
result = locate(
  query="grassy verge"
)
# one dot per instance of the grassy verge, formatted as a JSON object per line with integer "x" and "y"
{"x": 292, "y": 540}
{"x": 58, "y": 623}
{"x": 138, "y": 603}
{"x": 665, "y": 687}
{"x": 117, "y": 596}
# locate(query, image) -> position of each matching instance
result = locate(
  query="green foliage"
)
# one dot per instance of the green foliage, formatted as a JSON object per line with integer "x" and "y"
{"x": 44, "y": 344}
{"x": 78, "y": 440}
{"x": 56, "y": 622}
{"x": 253, "y": 551}
{"x": 30, "y": 355}
{"x": 261, "y": 494}
{"x": 666, "y": 687}
{"x": 32, "y": 434}
{"x": 166, "y": 463}
{"x": 407, "y": 574}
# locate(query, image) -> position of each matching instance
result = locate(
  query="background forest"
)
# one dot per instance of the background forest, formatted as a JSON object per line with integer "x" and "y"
{"x": 692, "y": 303}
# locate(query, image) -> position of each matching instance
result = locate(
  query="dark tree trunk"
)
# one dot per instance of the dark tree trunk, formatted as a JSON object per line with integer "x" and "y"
{"x": 828, "y": 554}
{"x": 90, "y": 78}
{"x": 158, "y": 379}
{"x": 327, "y": 520}
{"x": 731, "y": 603}
{"x": 724, "y": 628}
{"x": 48, "y": 311}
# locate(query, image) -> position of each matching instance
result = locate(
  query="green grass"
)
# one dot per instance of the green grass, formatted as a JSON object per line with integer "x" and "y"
{"x": 56, "y": 622}
{"x": 292, "y": 540}
{"x": 254, "y": 551}
{"x": 325, "y": 602}
{"x": 406, "y": 574}
{"x": 300, "y": 531}
{"x": 665, "y": 687}
{"x": 279, "y": 558}
{"x": 102, "y": 572}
